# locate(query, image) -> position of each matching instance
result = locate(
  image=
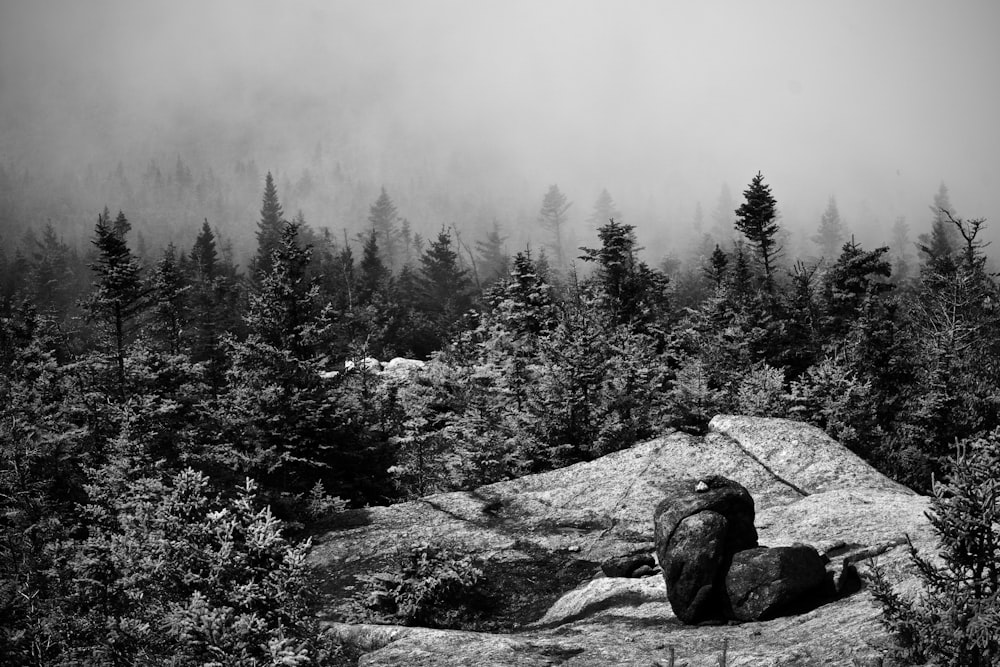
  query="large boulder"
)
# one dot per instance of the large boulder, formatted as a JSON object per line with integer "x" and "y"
{"x": 766, "y": 583}
{"x": 698, "y": 528}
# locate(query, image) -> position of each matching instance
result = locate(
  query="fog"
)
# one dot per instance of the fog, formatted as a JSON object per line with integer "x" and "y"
{"x": 489, "y": 102}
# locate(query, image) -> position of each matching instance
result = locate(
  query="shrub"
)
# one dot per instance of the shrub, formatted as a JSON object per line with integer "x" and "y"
{"x": 433, "y": 586}
{"x": 172, "y": 573}
{"x": 956, "y": 621}
{"x": 762, "y": 392}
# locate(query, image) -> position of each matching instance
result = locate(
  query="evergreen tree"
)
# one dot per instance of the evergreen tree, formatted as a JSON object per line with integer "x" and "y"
{"x": 938, "y": 247}
{"x": 269, "y": 229}
{"x": 723, "y": 220}
{"x": 856, "y": 276}
{"x": 373, "y": 276}
{"x": 755, "y": 219}
{"x": 718, "y": 268}
{"x": 204, "y": 255}
{"x": 604, "y": 210}
{"x": 900, "y": 250}
{"x": 525, "y": 299}
{"x": 445, "y": 286}
{"x": 954, "y": 622}
{"x": 552, "y": 218}
{"x": 117, "y": 298}
{"x": 383, "y": 218}
{"x": 283, "y": 309}
{"x": 406, "y": 237}
{"x": 631, "y": 291}
{"x": 169, "y": 294}
{"x": 51, "y": 281}
{"x": 492, "y": 256}
{"x": 830, "y": 234}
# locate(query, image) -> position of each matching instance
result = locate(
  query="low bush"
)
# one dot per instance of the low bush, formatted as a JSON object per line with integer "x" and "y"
{"x": 433, "y": 587}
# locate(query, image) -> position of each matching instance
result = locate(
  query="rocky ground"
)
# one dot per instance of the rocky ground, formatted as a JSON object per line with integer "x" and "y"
{"x": 543, "y": 537}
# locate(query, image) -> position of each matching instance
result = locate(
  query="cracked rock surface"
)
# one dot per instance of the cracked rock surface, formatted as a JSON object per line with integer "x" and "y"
{"x": 806, "y": 487}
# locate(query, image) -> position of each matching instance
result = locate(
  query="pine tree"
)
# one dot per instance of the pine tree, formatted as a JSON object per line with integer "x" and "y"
{"x": 373, "y": 276}
{"x": 269, "y": 228}
{"x": 204, "y": 255}
{"x": 525, "y": 298}
{"x": 954, "y": 622}
{"x": 632, "y": 293}
{"x": 117, "y": 298}
{"x": 407, "y": 238}
{"x": 383, "y": 218}
{"x": 552, "y": 218}
{"x": 492, "y": 256}
{"x": 51, "y": 281}
{"x": 900, "y": 248}
{"x": 169, "y": 298}
{"x": 208, "y": 285}
{"x": 830, "y": 234}
{"x": 856, "y": 276}
{"x": 283, "y": 309}
{"x": 722, "y": 216}
{"x": 445, "y": 286}
{"x": 939, "y": 246}
{"x": 604, "y": 210}
{"x": 718, "y": 268}
{"x": 755, "y": 219}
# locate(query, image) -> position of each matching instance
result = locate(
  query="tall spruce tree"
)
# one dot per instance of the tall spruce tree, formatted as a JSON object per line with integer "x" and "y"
{"x": 552, "y": 218}
{"x": 445, "y": 285}
{"x": 117, "y": 298}
{"x": 493, "y": 259}
{"x": 169, "y": 300}
{"x": 268, "y": 228}
{"x": 830, "y": 235}
{"x": 940, "y": 245}
{"x": 284, "y": 308}
{"x": 383, "y": 217}
{"x": 756, "y": 219}
{"x": 604, "y": 210}
{"x": 630, "y": 290}
{"x": 722, "y": 216}
{"x": 373, "y": 276}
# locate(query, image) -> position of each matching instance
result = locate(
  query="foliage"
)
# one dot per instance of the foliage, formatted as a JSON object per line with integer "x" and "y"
{"x": 762, "y": 393}
{"x": 692, "y": 400}
{"x": 171, "y": 573}
{"x": 433, "y": 587}
{"x": 831, "y": 396}
{"x": 956, "y": 621}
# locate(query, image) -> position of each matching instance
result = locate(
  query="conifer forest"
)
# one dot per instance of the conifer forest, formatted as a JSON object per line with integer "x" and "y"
{"x": 207, "y": 357}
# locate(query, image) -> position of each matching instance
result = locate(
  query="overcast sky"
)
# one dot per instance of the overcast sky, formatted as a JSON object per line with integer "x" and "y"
{"x": 873, "y": 101}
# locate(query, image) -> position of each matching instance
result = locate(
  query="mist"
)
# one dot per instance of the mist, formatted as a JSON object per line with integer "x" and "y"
{"x": 467, "y": 111}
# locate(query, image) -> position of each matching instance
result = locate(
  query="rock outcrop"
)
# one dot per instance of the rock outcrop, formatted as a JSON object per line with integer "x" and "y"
{"x": 806, "y": 489}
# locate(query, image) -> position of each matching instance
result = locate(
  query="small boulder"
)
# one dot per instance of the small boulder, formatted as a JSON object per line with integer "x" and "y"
{"x": 765, "y": 583}
{"x": 626, "y": 566}
{"x": 643, "y": 571}
{"x": 697, "y": 528}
